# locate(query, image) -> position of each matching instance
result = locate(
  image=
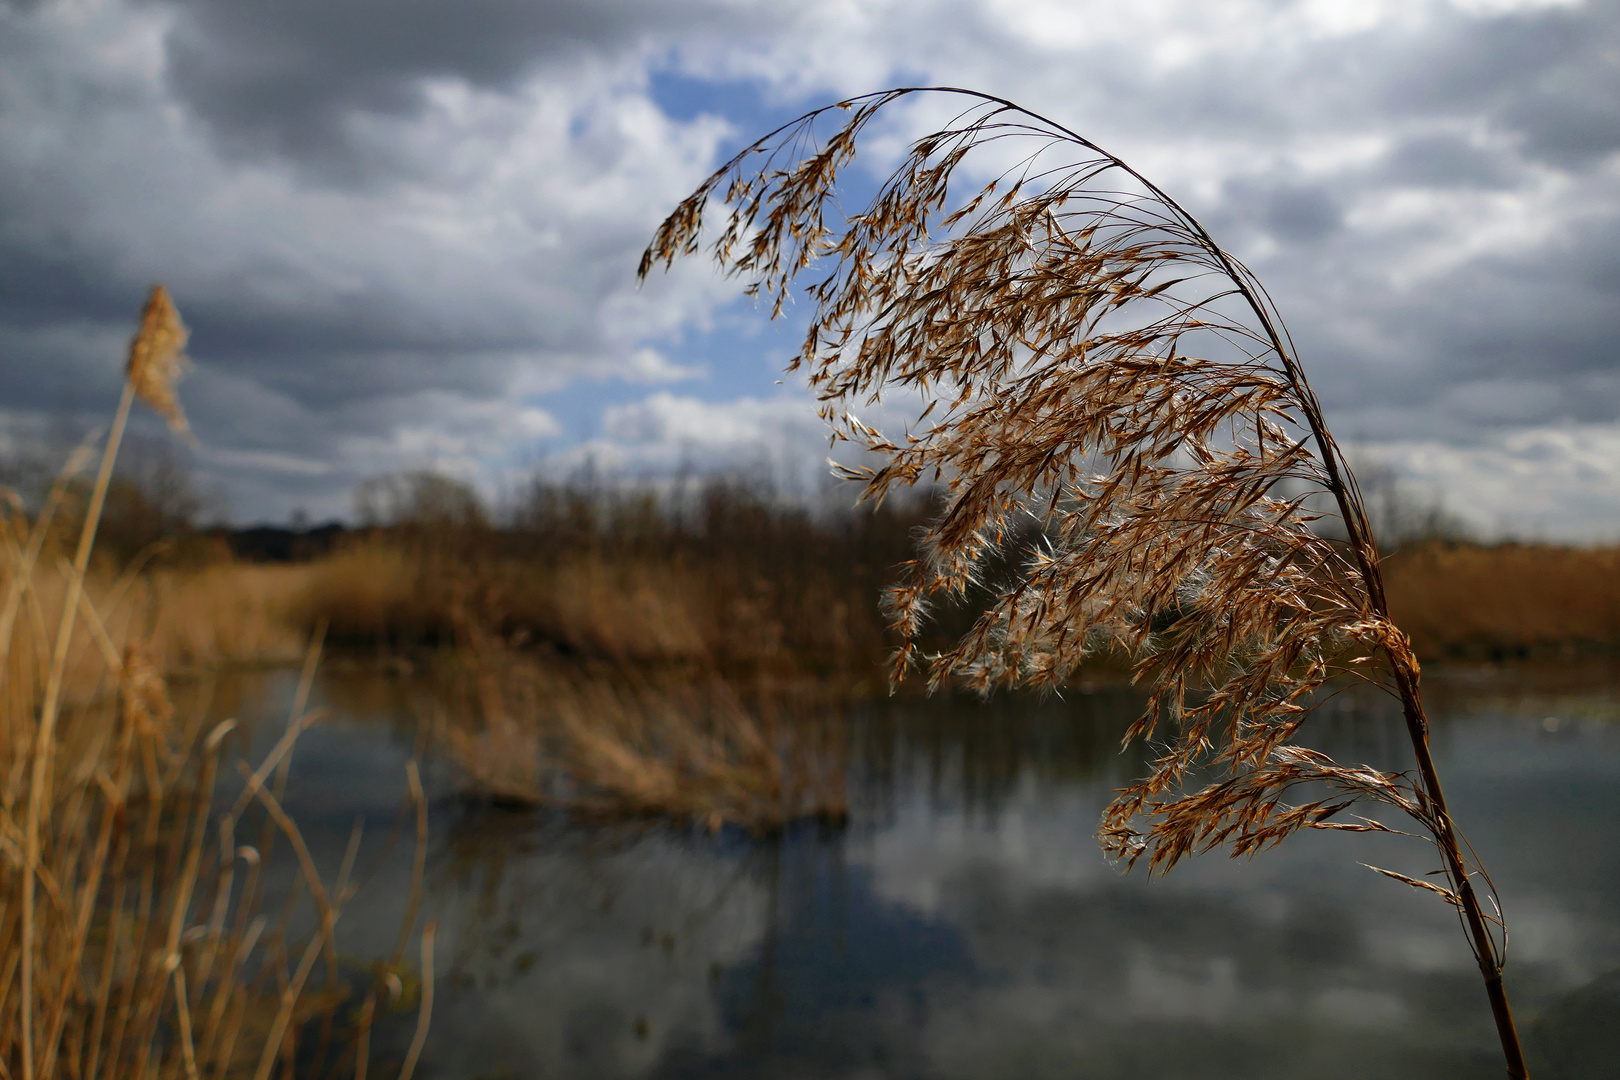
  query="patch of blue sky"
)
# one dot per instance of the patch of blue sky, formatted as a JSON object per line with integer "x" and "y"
{"x": 740, "y": 352}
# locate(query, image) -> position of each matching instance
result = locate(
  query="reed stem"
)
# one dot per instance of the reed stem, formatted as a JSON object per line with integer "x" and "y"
{"x": 1485, "y": 952}
{"x": 49, "y": 710}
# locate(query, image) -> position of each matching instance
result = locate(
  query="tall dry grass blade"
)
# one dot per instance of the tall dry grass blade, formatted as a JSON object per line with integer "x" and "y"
{"x": 323, "y": 900}
{"x": 183, "y": 1011}
{"x": 425, "y": 1012}
{"x": 106, "y": 801}
{"x": 115, "y": 791}
{"x": 23, "y": 560}
{"x": 154, "y": 360}
{"x": 39, "y": 788}
{"x": 1133, "y": 459}
{"x": 413, "y": 902}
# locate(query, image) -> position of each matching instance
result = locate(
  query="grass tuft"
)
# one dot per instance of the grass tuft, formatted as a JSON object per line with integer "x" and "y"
{"x": 611, "y": 742}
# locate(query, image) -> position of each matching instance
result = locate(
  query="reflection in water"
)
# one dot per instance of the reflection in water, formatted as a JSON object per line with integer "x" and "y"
{"x": 964, "y": 924}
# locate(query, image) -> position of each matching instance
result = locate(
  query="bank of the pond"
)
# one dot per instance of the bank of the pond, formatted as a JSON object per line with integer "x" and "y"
{"x": 780, "y": 598}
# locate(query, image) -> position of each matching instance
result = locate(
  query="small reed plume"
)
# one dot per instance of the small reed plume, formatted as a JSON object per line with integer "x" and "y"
{"x": 157, "y": 358}
{"x": 1131, "y": 456}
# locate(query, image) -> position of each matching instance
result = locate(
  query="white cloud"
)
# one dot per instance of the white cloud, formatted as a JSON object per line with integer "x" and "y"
{"x": 650, "y": 365}
{"x": 1507, "y": 7}
{"x": 664, "y": 419}
{"x": 1555, "y": 481}
{"x": 780, "y": 441}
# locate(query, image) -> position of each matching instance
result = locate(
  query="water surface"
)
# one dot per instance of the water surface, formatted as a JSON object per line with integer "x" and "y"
{"x": 964, "y": 923}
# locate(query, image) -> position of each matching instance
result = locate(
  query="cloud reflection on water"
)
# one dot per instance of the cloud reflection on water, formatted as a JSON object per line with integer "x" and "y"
{"x": 965, "y": 924}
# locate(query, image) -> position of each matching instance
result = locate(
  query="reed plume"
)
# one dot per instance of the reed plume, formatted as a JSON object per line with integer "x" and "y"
{"x": 1132, "y": 459}
{"x": 157, "y": 358}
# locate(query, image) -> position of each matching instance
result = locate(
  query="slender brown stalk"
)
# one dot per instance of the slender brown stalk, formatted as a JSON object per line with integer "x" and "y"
{"x": 39, "y": 786}
{"x": 362, "y": 1049}
{"x": 424, "y": 1014}
{"x": 1132, "y": 461}
{"x": 183, "y": 1011}
{"x": 155, "y": 360}
{"x": 413, "y": 901}
{"x": 23, "y": 561}
{"x": 97, "y": 862}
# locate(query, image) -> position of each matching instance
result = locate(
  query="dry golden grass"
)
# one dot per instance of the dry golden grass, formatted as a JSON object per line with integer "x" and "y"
{"x": 1471, "y": 601}
{"x": 667, "y": 609}
{"x": 227, "y": 613}
{"x": 384, "y": 592}
{"x": 637, "y": 610}
{"x": 183, "y": 620}
{"x": 364, "y": 592}
{"x": 1455, "y": 600}
{"x": 131, "y": 942}
{"x": 610, "y": 742}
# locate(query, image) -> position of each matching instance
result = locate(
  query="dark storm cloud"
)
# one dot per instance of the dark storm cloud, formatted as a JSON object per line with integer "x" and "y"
{"x": 1552, "y": 78}
{"x": 1497, "y": 343}
{"x": 1497, "y": 135}
{"x": 1290, "y": 212}
{"x": 1446, "y": 160}
{"x": 393, "y": 223}
{"x": 289, "y": 78}
{"x": 338, "y": 331}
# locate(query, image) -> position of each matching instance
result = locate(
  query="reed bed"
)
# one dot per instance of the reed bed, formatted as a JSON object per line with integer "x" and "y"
{"x": 224, "y": 613}
{"x": 1470, "y": 602}
{"x": 140, "y": 931}
{"x": 379, "y": 592}
{"x": 611, "y": 742}
{"x": 790, "y": 594}
{"x": 183, "y": 620}
{"x": 749, "y": 589}
{"x": 160, "y": 946}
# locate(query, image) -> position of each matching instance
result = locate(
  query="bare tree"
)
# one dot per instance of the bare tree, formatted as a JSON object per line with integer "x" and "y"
{"x": 1116, "y": 411}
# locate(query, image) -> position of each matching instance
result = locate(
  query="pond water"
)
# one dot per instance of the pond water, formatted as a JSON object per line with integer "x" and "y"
{"x": 964, "y": 924}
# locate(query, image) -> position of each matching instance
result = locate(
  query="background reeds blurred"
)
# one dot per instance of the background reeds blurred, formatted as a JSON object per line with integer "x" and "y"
{"x": 1496, "y": 602}
{"x": 610, "y": 742}
{"x": 738, "y": 580}
{"x": 722, "y": 576}
{"x": 725, "y": 576}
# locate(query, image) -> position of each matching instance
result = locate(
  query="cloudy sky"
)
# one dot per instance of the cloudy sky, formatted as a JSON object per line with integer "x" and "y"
{"x": 405, "y": 231}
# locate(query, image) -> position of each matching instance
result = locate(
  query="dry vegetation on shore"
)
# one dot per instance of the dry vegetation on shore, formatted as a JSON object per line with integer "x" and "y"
{"x": 712, "y": 577}
{"x": 614, "y": 742}
{"x": 1470, "y": 602}
{"x": 758, "y": 590}
{"x": 184, "y": 620}
{"x": 734, "y": 604}
{"x": 726, "y": 580}
{"x": 132, "y": 942}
